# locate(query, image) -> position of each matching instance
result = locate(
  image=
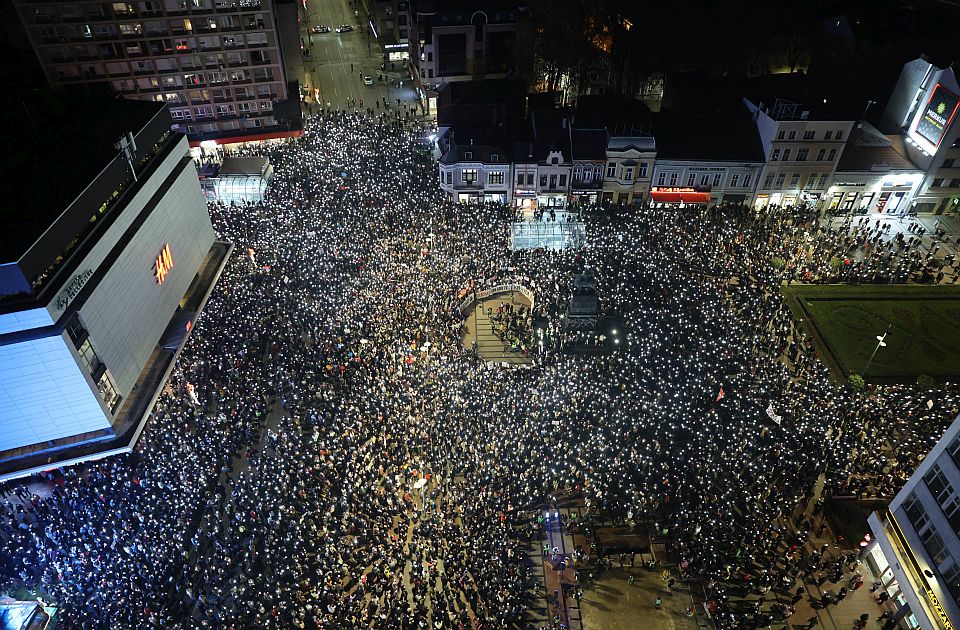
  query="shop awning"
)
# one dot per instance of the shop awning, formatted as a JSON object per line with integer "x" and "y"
{"x": 676, "y": 196}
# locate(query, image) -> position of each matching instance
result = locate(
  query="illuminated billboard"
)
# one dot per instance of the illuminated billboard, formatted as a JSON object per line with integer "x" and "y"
{"x": 938, "y": 115}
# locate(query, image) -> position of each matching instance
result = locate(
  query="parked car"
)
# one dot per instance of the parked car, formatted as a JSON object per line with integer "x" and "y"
{"x": 344, "y": 28}
{"x": 321, "y": 29}
{"x": 368, "y": 80}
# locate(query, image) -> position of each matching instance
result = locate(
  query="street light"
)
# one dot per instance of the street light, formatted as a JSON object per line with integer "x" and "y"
{"x": 880, "y": 344}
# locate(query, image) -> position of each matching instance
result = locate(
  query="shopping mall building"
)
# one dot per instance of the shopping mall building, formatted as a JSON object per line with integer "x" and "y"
{"x": 915, "y": 548}
{"x": 105, "y": 264}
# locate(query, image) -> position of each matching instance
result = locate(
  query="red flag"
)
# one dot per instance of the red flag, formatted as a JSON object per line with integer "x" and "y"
{"x": 721, "y": 394}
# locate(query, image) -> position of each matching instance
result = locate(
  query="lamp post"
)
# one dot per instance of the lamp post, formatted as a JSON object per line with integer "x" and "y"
{"x": 880, "y": 343}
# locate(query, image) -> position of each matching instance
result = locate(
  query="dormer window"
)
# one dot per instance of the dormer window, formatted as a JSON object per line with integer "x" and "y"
{"x": 468, "y": 155}
{"x": 555, "y": 160}
{"x": 494, "y": 157}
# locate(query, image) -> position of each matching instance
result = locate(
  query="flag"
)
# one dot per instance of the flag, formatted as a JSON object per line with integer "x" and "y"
{"x": 773, "y": 415}
{"x": 721, "y": 394}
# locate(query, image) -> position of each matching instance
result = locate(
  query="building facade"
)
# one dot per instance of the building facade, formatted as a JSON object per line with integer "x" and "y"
{"x": 801, "y": 152}
{"x": 475, "y": 173}
{"x": 218, "y": 64}
{"x": 915, "y": 551}
{"x": 703, "y": 181}
{"x": 629, "y": 169}
{"x": 588, "y": 148}
{"x": 461, "y": 40}
{"x": 923, "y": 111}
{"x": 95, "y": 305}
{"x": 873, "y": 175}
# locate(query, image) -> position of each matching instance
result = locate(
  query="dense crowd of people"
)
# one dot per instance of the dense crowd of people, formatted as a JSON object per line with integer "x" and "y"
{"x": 328, "y": 454}
{"x": 513, "y": 325}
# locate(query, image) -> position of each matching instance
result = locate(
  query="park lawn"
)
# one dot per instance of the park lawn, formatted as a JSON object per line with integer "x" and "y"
{"x": 844, "y": 320}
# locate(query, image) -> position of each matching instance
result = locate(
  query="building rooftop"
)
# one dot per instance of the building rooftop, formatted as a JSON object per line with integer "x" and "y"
{"x": 57, "y": 144}
{"x": 254, "y": 166}
{"x": 721, "y": 137}
{"x": 497, "y": 103}
{"x": 589, "y": 144}
{"x": 796, "y": 96}
{"x": 458, "y": 6}
{"x": 870, "y": 151}
{"x": 619, "y": 115}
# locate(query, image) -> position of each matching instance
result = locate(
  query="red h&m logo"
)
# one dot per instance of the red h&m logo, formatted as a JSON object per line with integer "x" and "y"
{"x": 163, "y": 264}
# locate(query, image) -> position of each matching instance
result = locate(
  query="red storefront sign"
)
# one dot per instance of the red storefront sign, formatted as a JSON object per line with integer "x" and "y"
{"x": 676, "y": 194}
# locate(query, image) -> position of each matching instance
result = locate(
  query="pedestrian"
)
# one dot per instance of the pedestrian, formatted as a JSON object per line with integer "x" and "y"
{"x": 797, "y": 596}
{"x": 658, "y": 602}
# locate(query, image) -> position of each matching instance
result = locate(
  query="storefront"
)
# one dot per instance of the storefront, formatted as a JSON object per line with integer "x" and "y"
{"x": 494, "y": 197}
{"x": 395, "y": 53}
{"x": 882, "y": 572}
{"x": 525, "y": 199}
{"x": 732, "y": 198}
{"x": 891, "y": 195}
{"x": 585, "y": 196}
{"x": 552, "y": 200}
{"x": 468, "y": 197}
{"x": 672, "y": 195}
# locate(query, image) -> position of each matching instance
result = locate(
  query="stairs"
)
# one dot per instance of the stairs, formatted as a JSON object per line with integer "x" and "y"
{"x": 489, "y": 346}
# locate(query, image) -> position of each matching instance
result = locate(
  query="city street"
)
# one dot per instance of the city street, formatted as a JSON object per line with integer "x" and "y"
{"x": 338, "y": 61}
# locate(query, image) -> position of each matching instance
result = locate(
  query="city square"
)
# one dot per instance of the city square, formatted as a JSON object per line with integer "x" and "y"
{"x": 410, "y": 314}
{"x": 339, "y": 438}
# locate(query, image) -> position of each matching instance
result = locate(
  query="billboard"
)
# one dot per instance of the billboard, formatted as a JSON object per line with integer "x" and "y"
{"x": 937, "y": 115}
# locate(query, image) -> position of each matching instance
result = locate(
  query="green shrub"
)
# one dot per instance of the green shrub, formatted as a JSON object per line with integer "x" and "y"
{"x": 778, "y": 263}
{"x": 924, "y": 382}
{"x": 835, "y": 262}
{"x": 856, "y": 381}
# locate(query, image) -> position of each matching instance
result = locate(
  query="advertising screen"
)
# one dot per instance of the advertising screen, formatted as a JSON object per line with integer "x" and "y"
{"x": 938, "y": 114}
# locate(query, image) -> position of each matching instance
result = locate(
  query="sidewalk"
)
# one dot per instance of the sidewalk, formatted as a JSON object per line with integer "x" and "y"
{"x": 840, "y": 615}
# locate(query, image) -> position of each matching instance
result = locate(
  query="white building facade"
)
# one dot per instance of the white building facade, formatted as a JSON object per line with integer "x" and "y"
{"x": 722, "y": 182}
{"x": 82, "y": 350}
{"x": 923, "y": 110}
{"x": 916, "y": 548}
{"x": 801, "y": 153}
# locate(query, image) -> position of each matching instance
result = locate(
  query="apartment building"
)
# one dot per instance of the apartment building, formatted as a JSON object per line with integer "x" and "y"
{"x": 461, "y": 40}
{"x": 915, "y": 551}
{"x": 218, "y": 64}
{"x": 629, "y": 168}
{"x": 802, "y": 146}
